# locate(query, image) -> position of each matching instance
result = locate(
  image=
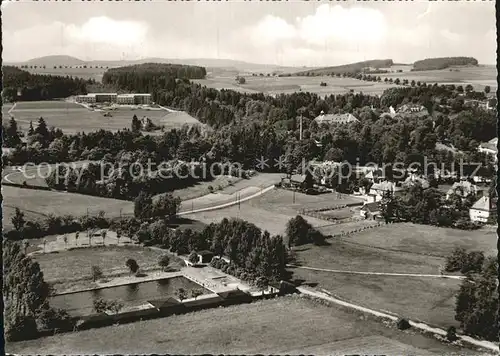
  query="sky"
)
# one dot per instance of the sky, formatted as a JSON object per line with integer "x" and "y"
{"x": 280, "y": 33}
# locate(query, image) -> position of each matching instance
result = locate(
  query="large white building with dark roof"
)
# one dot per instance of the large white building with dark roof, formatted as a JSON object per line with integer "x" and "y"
{"x": 335, "y": 118}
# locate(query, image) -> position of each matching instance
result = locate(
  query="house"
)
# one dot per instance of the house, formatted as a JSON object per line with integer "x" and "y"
{"x": 335, "y": 118}
{"x": 483, "y": 210}
{"x": 489, "y": 147}
{"x": 414, "y": 179}
{"x": 375, "y": 175}
{"x": 205, "y": 256}
{"x": 413, "y": 109}
{"x": 295, "y": 181}
{"x": 370, "y": 210}
{"x": 462, "y": 189}
{"x": 392, "y": 113}
{"x": 488, "y": 104}
{"x": 378, "y": 190}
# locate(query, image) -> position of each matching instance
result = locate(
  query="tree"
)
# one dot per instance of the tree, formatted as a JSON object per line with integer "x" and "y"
{"x": 296, "y": 231}
{"x": 104, "y": 233}
{"x": 96, "y": 273}
{"x": 136, "y": 124}
{"x": 164, "y": 261}
{"x": 487, "y": 89}
{"x": 181, "y": 294}
{"x": 65, "y": 239}
{"x": 11, "y": 134}
{"x": 195, "y": 293}
{"x": 26, "y": 245}
{"x": 451, "y": 334}
{"x": 132, "y": 265}
{"x": 166, "y": 206}
{"x": 143, "y": 206}
{"x": 77, "y": 235}
{"x": 18, "y": 220}
{"x": 193, "y": 257}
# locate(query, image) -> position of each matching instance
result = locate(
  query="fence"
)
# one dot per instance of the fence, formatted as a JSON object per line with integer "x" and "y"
{"x": 361, "y": 229}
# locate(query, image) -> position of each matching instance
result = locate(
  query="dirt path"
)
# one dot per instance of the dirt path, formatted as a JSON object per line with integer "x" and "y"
{"x": 379, "y": 273}
{"x": 422, "y": 326}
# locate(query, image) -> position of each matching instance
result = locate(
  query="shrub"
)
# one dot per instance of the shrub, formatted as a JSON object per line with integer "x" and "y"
{"x": 20, "y": 327}
{"x": 96, "y": 273}
{"x": 164, "y": 261}
{"x": 132, "y": 265}
{"x": 101, "y": 305}
{"x": 456, "y": 260}
{"x": 403, "y": 324}
{"x": 451, "y": 334}
{"x": 193, "y": 257}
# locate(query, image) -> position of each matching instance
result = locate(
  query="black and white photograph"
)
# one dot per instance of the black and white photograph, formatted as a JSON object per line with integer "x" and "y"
{"x": 250, "y": 177}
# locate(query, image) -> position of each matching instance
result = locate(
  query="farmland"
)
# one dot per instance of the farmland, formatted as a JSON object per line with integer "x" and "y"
{"x": 45, "y": 202}
{"x": 73, "y": 118}
{"x": 286, "y": 85}
{"x": 478, "y": 77}
{"x": 269, "y": 326}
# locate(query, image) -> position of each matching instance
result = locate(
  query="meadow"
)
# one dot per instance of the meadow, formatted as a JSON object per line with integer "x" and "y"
{"x": 478, "y": 77}
{"x": 274, "y": 85}
{"x": 73, "y": 118}
{"x": 274, "y": 326}
{"x": 43, "y": 202}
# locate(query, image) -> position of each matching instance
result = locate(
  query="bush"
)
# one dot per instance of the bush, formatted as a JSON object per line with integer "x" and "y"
{"x": 193, "y": 257}
{"x": 456, "y": 260}
{"x": 403, "y": 324}
{"x": 451, "y": 334}
{"x": 164, "y": 261}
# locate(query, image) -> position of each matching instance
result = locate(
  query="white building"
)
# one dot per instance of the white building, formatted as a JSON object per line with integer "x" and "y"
{"x": 124, "y": 99}
{"x": 483, "y": 210}
{"x": 377, "y": 190}
{"x": 335, "y": 118}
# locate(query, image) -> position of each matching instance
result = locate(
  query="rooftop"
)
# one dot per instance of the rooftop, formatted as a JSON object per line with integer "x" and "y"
{"x": 484, "y": 203}
{"x": 335, "y": 118}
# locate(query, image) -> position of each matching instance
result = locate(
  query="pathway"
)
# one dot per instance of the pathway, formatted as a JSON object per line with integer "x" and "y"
{"x": 418, "y": 325}
{"x": 379, "y": 273}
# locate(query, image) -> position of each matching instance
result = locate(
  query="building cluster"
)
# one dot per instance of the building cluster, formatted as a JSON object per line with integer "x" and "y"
{"x": 123, "y": 99}
{"x": 335, "y": 118}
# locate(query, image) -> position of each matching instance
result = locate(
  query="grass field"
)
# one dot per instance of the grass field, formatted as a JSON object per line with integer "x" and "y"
{"x": 286, "y": 85}
{"x": 478, "y": 77}
{"x": 431, "y": 300}
{"x": 72, "y": 268}
{"x": 73, "y": 118}
{"x": 288, "y": 325}
{"x": 45, "y": 202}
{"x": 428, "y": 239}
{"x": 34, "y": 175}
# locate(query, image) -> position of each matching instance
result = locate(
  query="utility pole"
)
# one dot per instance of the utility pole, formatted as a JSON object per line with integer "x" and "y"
{"x": 294, "y": 196}
{"x": 300, "y": 128}
{"x": 239, "y": 202}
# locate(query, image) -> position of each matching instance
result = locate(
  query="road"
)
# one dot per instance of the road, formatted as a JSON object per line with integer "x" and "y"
{"x": 380, "y": 273}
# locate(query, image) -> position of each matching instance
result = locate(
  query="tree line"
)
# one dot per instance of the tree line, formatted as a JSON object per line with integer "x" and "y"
{"x": 20, "y": 85}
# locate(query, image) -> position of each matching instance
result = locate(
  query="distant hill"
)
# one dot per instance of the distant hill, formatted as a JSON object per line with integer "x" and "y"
{"x": 443, "y": 63}
{"x": 55, "y": 61}
{"x": 209, "y": 63}
{"x": 349, "y": 68}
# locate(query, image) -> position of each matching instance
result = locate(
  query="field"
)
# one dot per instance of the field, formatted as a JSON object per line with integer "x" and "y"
{"x": 431, "y": 300}
{"x": 276, "y": 326}
{"x": 34, "y": 175}
{"x": 428, "y": 239}
{"x": 478, "y": 77}
{"x": 287, "y": 85}
{"x": 72, "y": 268}
{"x": 43, "y": 202}
{"x": 73, "y": 118}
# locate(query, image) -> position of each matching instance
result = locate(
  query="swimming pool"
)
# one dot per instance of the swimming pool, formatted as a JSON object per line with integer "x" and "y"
{"x": 81, "y": 303}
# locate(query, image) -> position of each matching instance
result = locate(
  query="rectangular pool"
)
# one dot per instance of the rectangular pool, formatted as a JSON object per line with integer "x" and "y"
{"x": 81, "y": 303}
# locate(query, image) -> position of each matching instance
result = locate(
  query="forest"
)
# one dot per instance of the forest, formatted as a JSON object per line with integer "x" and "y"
{"x": 443, "y": 63}
{"x": 20, "y": 85}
